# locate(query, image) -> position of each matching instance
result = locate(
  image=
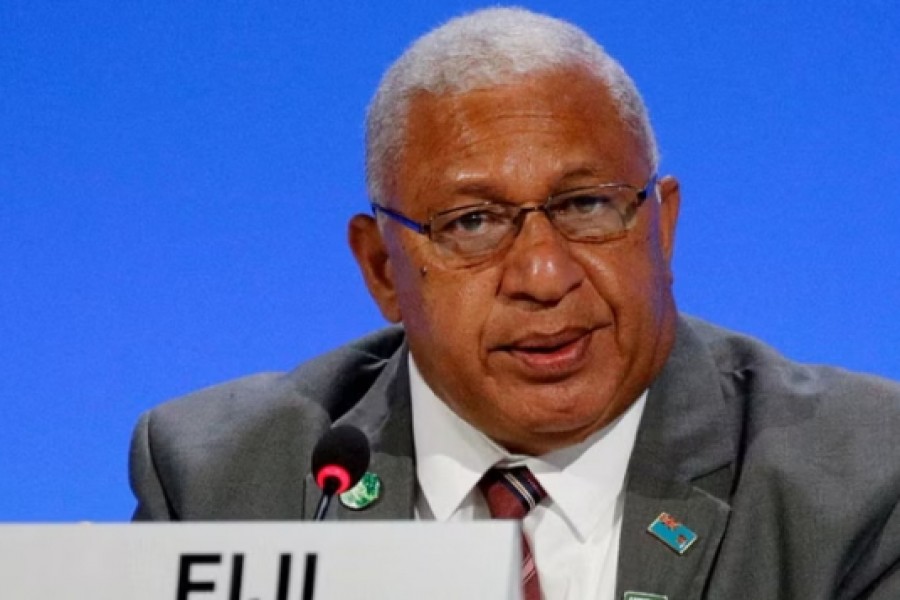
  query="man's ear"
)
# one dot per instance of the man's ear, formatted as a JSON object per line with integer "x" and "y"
{"x": 372, "y": 257}
{"x": 669, "y": 205}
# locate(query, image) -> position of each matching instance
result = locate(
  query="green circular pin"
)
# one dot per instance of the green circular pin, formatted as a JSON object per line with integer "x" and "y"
{"x": 364, "y": 493}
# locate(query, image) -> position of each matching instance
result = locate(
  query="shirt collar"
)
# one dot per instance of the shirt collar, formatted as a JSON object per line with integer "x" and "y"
{"x": 586, "y": 479}
{"x": 451, "y": 455}
{"x": 583, "y": 480}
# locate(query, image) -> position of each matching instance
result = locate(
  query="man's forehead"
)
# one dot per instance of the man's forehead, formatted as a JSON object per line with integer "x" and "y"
{"x": 468, "y": 137}
{"x": 573, "y": 85}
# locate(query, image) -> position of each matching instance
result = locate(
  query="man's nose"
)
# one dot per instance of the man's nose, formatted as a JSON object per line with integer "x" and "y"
{"x": 539, "y": 266}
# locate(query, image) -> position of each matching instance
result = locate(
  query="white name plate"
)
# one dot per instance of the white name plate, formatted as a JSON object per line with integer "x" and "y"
{"x": 261, "y": 561}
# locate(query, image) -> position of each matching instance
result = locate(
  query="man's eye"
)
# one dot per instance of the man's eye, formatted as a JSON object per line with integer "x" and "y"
{"x": 476, "y": 221}
{"x": 471, "y": 222}
{"x": 586, "y": 204}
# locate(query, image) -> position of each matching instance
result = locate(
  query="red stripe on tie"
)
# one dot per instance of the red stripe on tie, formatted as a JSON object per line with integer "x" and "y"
{"x": 511, "y": 494}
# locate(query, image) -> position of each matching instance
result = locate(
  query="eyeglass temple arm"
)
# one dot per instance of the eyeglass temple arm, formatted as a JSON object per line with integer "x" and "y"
{"x": 648, "y": 189}
{"x": 402, "y": 219}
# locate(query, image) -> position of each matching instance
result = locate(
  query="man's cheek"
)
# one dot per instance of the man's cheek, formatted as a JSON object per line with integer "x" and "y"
{"x": 452, "y": 302}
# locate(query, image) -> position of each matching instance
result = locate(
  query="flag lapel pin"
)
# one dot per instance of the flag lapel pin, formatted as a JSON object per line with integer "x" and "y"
{"x": 672, "y": 533}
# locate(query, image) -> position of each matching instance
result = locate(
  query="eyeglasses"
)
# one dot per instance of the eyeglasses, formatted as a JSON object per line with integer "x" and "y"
{"x": 473, "y": 233}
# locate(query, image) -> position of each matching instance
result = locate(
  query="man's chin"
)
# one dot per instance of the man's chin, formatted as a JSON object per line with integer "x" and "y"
{"x": 542, "y": 433}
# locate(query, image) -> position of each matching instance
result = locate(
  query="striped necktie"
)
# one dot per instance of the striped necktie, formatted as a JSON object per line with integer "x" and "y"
{"x": 511, "y": 494}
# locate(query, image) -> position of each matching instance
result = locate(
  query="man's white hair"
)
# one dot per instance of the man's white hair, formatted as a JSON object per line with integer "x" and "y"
{"x": 489, "y": 47}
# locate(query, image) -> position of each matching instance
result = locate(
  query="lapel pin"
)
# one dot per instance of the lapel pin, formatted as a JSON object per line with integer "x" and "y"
{"x": 364, "y": 493}
{"x": 643, "y": 596}
{"x": 672, "y": 533}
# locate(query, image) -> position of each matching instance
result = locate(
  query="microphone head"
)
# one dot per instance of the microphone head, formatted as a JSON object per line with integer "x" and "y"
{"x": 340, "y": 459}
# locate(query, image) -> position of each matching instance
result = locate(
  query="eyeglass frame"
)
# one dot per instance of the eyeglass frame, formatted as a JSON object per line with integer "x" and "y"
{"x": 641, "y": 195}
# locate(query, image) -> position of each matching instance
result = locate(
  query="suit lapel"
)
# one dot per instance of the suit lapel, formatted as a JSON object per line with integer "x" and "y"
{"x": 682, "y": 465}
{"x": 647, "y": 564}
{"x": 384, "y": 415}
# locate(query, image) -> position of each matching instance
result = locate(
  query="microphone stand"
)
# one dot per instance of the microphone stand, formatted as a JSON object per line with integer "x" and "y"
{"x": 331, "y": 486}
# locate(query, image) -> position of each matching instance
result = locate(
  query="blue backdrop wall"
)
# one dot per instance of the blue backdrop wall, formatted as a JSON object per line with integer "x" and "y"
{"x": 175, "y": 180}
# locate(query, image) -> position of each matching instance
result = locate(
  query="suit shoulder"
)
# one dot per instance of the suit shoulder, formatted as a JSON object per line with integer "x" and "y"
{"x": 314, "y": 391}
{"x": 751, "y": 368}
{"x": 241, "y": 449}
{"x": 816, "y": 424}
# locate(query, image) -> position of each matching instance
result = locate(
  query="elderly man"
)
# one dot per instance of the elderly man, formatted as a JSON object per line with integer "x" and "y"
{"x": 522, "y": 237}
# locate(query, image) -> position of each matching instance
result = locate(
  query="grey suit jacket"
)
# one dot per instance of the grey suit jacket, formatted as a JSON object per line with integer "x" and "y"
{"x": 789, "y": 474}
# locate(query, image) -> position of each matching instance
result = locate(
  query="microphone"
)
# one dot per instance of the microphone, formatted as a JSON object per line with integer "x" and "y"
{"x": 339, "y": 461}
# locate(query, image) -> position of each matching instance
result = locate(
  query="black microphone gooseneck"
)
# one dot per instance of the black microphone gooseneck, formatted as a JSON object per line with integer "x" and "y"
{"x": 339, "y": 461}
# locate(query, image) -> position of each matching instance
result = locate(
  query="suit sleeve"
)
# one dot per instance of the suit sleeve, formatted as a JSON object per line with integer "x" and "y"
{"x": 146, "y": 484}
{"x": 888, "y": 588}
{"x": 876, "y": 576}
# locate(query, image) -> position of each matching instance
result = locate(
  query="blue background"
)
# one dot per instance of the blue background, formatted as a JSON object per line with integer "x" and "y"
{"x": 176, "y": 177}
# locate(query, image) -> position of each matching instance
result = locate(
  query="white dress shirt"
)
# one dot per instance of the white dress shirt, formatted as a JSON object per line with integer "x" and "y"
{"x": 574, "y": 533}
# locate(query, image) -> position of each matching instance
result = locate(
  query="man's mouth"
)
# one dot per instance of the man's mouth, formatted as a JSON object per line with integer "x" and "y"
{"x": 551, "y": 355}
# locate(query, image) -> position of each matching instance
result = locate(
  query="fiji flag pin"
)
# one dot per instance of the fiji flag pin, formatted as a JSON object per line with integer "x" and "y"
{"x": 673, "y": 534}
{"x": 364, "y": 493}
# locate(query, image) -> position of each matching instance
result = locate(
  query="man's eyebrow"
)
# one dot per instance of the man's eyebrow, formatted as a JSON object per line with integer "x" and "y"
{"x": 484, "y": 190}
{"x": 481, "y": 191}
{"x": 582, "y": 171}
